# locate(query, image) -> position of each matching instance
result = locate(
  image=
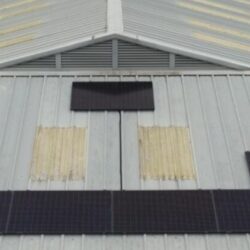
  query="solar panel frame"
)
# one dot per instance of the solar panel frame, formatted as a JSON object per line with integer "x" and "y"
{"x": 112, "y": 96}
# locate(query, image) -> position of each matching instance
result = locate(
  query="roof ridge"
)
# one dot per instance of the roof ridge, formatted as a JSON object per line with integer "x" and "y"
{"x": 114, "y": 16}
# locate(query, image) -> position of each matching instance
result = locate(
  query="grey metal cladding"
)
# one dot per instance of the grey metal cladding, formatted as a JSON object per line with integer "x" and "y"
{"x": 132, "y": 55}
{"x": 42, "y": 63}
{"x": 94, "y": 56}
{"x": 182, "y": 62}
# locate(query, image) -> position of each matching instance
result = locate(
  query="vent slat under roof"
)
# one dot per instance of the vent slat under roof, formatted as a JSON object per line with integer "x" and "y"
{"x": 124, "y": 55}
{"x": 132, "y": 55}
{"x": 93, "y": 56}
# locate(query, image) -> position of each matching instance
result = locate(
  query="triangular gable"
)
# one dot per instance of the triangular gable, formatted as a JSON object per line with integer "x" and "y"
{"x": 116, "y": 54}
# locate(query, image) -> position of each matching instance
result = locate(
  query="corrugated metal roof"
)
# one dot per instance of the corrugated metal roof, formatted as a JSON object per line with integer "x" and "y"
{"x": 216, "y": 31}
{"x": 33, "y": 27}
{"x": 217, "y": 28}
{"x": 214, "y": 107}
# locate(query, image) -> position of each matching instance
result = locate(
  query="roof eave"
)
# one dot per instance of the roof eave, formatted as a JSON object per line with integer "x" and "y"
{"x": 184, "y": 51}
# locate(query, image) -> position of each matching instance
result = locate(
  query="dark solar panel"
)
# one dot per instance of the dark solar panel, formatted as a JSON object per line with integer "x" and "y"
{"x": 112, "y": 96}
{"x": 5, "y": 202}
{"x": 248, "y": 158}
{"x": 233, "y": 210}
{"x": 163, "y": 212}
{"x": 60, "y": 213}
{"x": 125, "y": 212}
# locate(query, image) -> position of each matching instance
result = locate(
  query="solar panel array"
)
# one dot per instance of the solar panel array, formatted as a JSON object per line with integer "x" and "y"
{"x": 124, "y": 212}
{"x": 59, "y": 212}
{"x": 112, "y": 96}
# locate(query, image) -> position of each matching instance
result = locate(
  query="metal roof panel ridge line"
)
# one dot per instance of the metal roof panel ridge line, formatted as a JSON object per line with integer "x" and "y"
{"x": 114, "y": 16}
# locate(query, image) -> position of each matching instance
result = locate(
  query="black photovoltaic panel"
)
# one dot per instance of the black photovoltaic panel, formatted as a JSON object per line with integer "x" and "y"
{"x": 60, "y": 213}
{"x": 248, "y": 158}
{"x": 124, "y": 212}
{"x": 5, "y": 202}
{"x": 163, "y": 212}
{"x": 233, "y": 210}
{"x": 112, "y": 96}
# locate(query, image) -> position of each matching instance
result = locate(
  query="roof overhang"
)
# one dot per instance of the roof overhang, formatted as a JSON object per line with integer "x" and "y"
{"x": 152, "y": 43}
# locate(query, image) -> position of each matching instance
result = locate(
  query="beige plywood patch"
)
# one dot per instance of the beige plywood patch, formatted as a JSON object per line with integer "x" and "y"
{"x": 165, "y": 153}
{"x": 59, "y": 154}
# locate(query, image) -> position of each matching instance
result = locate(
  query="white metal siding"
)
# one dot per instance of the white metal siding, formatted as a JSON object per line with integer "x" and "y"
{"x": 214, "y": 107}
{"x": 146, "y": 242}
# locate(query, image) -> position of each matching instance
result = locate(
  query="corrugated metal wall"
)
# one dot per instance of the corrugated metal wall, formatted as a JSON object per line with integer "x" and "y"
{"x": 215, "y": 107}
{"x": 163, "y": 242}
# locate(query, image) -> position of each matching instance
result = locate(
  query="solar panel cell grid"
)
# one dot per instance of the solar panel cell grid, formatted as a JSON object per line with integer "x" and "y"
{"x": 124, "y": 212}
{"x": 112, "y": 96}
{"x": 159, "y": 212}
{"x": 60, "y": 213}
{"x": 233, "y": 210}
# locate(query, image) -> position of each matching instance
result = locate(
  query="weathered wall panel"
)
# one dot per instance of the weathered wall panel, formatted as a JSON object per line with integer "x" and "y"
{"x": 59, "y": 154}
{"x": 213, "y": 107}
{"x": 165, "y": 153}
